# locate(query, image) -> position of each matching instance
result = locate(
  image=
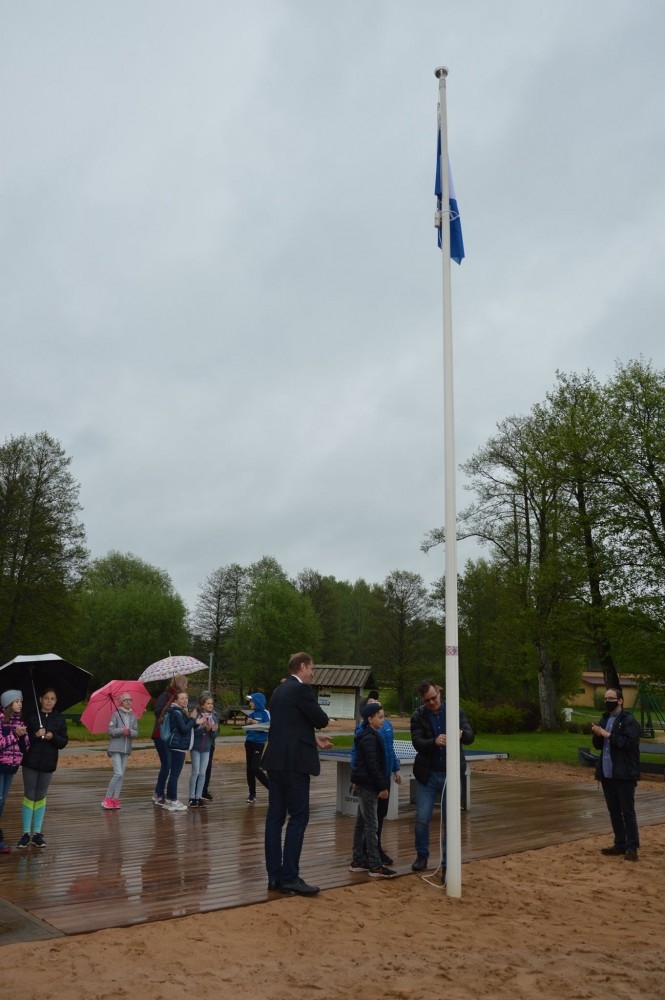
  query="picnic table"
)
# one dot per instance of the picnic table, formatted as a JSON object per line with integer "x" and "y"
{"x": 347, "y": 802}
{"x": 233, "y": 713}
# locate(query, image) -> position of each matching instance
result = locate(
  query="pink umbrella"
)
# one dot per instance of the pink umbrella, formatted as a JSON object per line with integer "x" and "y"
{"x": 105, "y": 700}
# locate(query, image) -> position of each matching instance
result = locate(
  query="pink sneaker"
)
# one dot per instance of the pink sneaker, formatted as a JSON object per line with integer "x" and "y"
{"x": 116, "y": 803}
{"x": 107, "y": 804}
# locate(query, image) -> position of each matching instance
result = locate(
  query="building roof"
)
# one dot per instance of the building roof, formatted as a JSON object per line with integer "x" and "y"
{"x": 326, "y": 675}
{"x": 596, "y": 679}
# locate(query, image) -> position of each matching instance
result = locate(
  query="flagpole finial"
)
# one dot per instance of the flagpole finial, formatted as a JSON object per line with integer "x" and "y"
{"x": 441, "y": 71}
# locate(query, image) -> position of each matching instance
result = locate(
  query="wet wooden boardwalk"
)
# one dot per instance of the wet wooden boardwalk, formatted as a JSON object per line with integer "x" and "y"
{"x": 110, "y": 869}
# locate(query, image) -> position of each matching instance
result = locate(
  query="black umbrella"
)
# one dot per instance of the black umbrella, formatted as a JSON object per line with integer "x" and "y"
{"x": 33, "y": 674}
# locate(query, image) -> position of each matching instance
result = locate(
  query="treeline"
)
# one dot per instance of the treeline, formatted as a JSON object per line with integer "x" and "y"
{"x": 569, "y": 501}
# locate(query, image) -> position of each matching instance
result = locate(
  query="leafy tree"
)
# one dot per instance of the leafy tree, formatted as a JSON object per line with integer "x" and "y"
{"x": 217, "y": 613}
{"x": 128, "y": 616}
{"x": 496, "y": 658}
{"x": 401, "y": 622}
{"x": 334, "y": 603}
{"x": 42, "y": 545}
{"x": 275, "y": 621}
{"x": 575, "y": 410}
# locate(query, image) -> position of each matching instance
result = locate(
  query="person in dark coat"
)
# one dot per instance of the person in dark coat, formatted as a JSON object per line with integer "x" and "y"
{"x": 429, "y": 737}
{"x": 370, "y": 777}
{"x": 162, "y": 705}
{"x": 617, "y": 736}
{"x": 47, "y": 730}
{"x": 291, "y": 757}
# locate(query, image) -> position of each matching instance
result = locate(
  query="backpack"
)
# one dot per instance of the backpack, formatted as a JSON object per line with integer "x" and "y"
{"x": 165, "y": 730}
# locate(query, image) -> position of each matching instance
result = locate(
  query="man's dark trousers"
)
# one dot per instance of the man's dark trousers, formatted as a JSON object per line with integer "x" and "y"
{"x": 288, "y": 792}
{"x": 620, "y": 798}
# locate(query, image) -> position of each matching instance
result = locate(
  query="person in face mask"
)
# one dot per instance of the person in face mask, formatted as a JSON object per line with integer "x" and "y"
{"x": 617, "y": 736}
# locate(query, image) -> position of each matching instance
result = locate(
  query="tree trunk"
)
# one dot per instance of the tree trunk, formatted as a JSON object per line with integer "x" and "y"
{"x": 549, "y": 716}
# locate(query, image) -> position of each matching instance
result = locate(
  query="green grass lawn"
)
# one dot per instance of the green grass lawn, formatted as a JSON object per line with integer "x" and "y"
{"x": 78, "y": 733}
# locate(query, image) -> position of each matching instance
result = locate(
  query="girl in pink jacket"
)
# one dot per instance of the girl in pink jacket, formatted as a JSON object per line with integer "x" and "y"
{"x": 14, "y": 742}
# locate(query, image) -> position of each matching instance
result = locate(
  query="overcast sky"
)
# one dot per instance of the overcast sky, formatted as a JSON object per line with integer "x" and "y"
{"x": 219, "y": 282}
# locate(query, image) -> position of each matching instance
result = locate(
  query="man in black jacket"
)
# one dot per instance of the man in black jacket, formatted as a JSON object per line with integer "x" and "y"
{"x": 617, "y": 736}
{"x": 428, "y": 735}
{"x": 292, "y": 755}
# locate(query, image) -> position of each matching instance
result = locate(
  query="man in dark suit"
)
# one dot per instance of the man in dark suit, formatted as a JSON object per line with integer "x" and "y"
{"x": 291, "y": 757}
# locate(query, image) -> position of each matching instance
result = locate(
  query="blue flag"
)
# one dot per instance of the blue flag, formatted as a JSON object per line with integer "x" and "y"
{"x": 456, "y": 241}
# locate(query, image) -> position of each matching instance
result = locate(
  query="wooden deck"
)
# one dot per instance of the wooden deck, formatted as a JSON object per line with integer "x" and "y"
{"x": 110, "y": 869}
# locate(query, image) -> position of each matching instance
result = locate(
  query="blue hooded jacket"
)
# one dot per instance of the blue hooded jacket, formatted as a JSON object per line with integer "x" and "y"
{"x": 260, "y": 714}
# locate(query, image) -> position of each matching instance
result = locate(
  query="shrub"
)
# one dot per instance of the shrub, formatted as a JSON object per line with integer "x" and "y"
{"x": 495, "y": 718}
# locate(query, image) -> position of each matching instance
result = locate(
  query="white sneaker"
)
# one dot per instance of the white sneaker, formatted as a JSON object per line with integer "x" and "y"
{"x": 177, "y": 806}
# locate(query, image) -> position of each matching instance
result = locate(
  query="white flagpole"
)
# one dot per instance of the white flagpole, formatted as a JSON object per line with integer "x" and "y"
{"x": 453, "y": 788}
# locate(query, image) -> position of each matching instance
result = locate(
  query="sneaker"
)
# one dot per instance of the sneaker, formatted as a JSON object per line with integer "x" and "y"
{"x": 159, "y": 800}
{"x": 107, "y": 804}
{"x": 359, "y": 866}
{"x": 116, "y": 804}
{"x": 175, "y": 806}
{"x": 381, "y": 872}
{"x": 385, "y": 858}
{"x": 38, "y": 840}
{"x": 200, "y": 803}
{"x": 207, "y": 795}
{"x": 24, "y": 841}
{"x": 193, "y": 803}
{"x": 250, "y": 800}
{"x": 4, "y": 848}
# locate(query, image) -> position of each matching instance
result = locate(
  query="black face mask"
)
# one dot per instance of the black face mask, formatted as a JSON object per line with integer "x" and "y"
{"x": 610, "y": 705}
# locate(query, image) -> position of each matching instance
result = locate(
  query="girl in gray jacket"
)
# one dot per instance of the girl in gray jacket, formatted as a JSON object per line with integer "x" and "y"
{"x": 123, "y": 727}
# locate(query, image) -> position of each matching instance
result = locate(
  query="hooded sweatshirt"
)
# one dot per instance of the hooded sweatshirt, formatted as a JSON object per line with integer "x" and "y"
{"x": 260, "y": 714}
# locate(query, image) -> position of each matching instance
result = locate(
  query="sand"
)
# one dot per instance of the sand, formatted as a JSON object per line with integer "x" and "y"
{"x": 563, "y": 922}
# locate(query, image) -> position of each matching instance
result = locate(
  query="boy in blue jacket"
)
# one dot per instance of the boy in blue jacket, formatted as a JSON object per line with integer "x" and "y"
{"x": 255, "y": 744}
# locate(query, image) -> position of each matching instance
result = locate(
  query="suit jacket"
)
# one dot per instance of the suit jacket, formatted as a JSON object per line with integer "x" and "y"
{"x": 294, "y": 715}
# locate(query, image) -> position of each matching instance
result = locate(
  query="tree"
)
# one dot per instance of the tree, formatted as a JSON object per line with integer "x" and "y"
{"x": 524, "y": 510}
{"x": 42, "y": 544}
{"x": 128, "y": 616}
{"x": 218, "y": 610}
{"x": 275, "y": 621}
{"x": 402, "y": 617}
{"x": 496, "y": 661}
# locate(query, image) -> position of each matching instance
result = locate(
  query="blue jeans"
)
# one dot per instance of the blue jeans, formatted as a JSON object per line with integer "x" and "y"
{"x": 288, "y": 792}
{"x": 426, "y": 798}
{"x": 177, "y": 764}
{"x": 198, "y": 776}
{"x": 164, "y": 754}
{"x": 5, "y": 785}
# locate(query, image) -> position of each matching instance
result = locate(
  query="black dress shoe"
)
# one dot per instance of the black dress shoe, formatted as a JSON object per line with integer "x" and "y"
{"x": 420, "y": 864}
{"x": 612, "y": 850}
{"x": 274, "y": 885}
{"x": 631, "y": 854}
{"x": 298, "y": 888}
